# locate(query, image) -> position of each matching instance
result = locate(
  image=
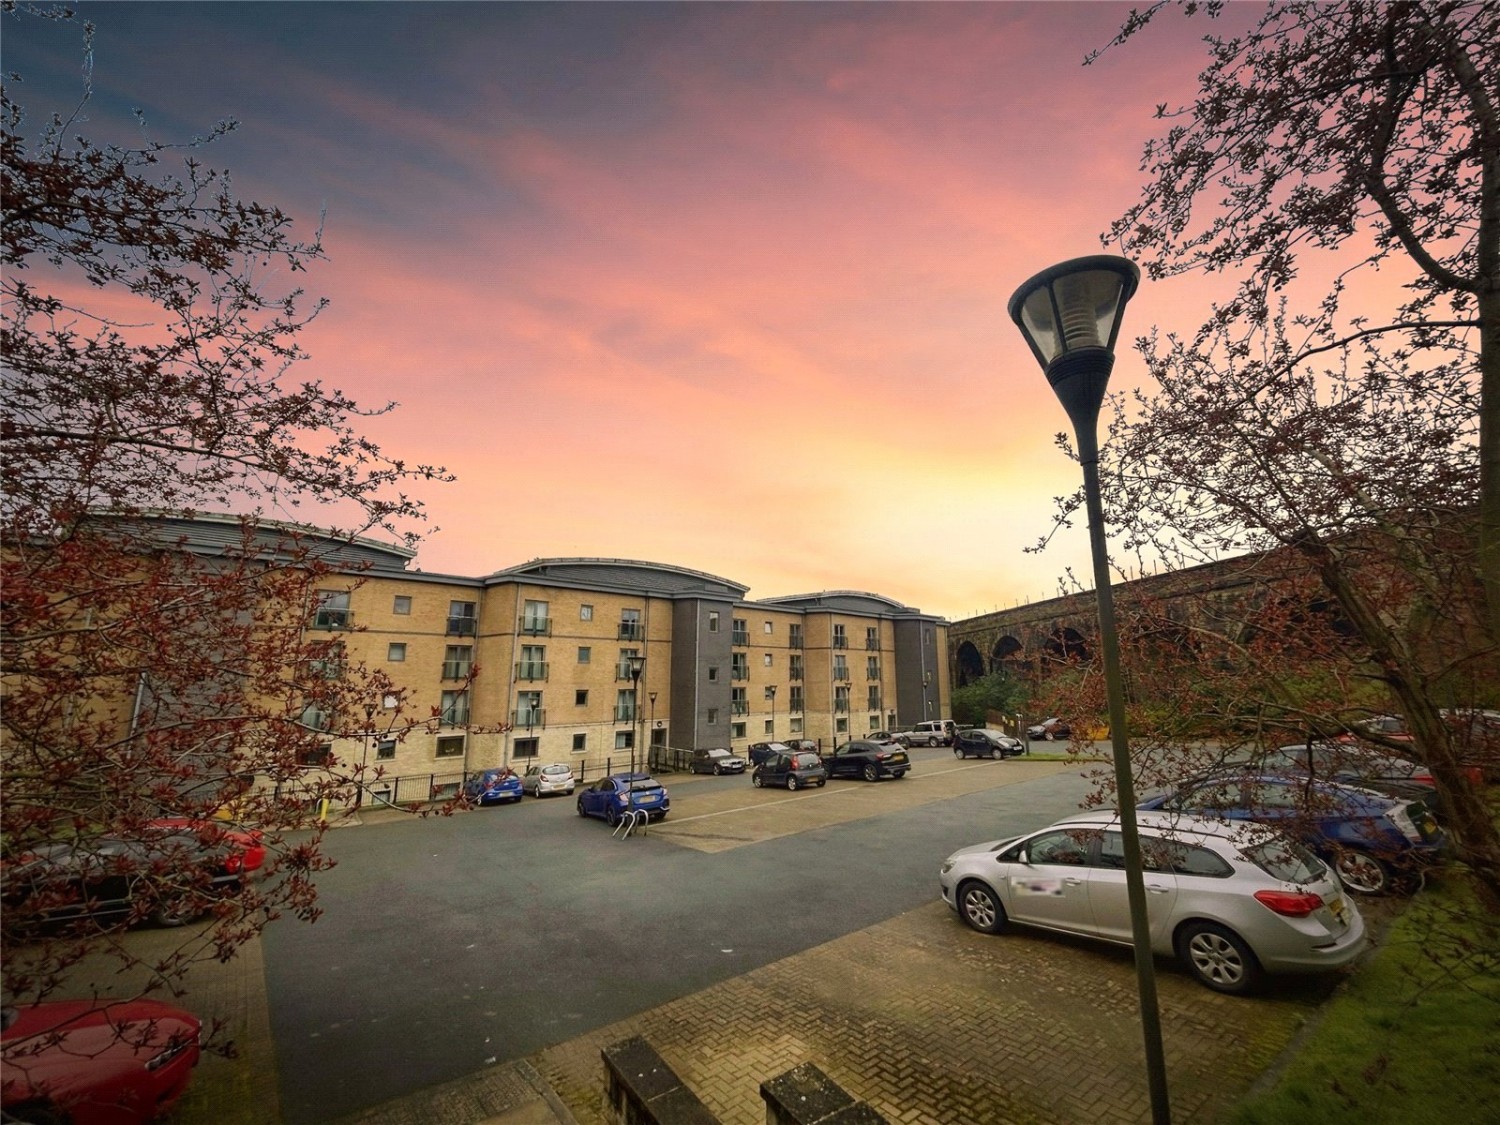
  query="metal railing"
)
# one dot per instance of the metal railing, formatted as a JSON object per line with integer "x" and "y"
{"x": 531, "y": 670}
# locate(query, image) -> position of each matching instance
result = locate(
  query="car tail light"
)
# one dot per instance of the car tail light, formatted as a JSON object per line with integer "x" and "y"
{"x": 1292, "y": 904}
{"x": 233, "y": 863}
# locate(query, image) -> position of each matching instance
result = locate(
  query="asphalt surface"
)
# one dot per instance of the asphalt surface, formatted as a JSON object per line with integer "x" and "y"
{"x": 449, "y": 945}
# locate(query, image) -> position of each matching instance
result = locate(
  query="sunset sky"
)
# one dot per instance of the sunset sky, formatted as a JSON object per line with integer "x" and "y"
{"x": 721, "y": 286}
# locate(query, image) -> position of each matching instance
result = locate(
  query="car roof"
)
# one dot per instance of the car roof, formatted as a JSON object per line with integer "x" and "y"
{"x": 1178, "y": 823}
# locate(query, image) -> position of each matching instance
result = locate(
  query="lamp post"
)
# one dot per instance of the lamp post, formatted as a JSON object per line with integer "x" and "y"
{"x": 771, "y": 695}
{"x": 637, "y": 666}
{"x": 364, "y": 755}
{"x": 652, "y": 697}
{"x": 1070, "y": 315}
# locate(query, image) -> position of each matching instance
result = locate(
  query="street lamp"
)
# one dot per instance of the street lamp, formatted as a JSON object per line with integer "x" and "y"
{"x": 771, "y": 695}
{"x": 637, "y": 666}
{"x": 652, "y": 697}
{"x": 1070, "y": 315}
{"x": 364, "y": 755}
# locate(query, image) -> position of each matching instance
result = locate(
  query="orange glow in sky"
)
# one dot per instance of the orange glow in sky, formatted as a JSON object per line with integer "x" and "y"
{"x": 720, "y": 286}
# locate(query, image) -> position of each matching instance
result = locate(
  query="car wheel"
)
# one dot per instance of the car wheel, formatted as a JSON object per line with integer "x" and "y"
{"x": 791, "y": 782}
{"x": 171, "y": 917}
{"x": 931, "y": 742}
{"x": 822, "y": 782}
{"x": 980, "y": 907}
{"x": 996, "y": 753}
{"x": 758, "y": 781}
{"x": 1218, "y": 957}
{"x": 899, "y": 774}
{"x": 958, "y": 752}
{"x": 872, "y": 773}
{"x": 1362, "y": 873}
{"x": 580, "y": 807}
{"x": 1046, "y": 736}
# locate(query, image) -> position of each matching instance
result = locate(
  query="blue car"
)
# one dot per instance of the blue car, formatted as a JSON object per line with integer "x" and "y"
{"x": 1373, "y": 841}
{"x": 611, "y": 797}
{"x": 494, "y": 787}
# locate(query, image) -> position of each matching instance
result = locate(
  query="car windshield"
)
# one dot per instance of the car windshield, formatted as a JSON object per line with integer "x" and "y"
{"x": 807, "y": 761}
{"x": 1285, "y": 860}
{"x": 645, "y": 783}
{"x": 556, "y": 771}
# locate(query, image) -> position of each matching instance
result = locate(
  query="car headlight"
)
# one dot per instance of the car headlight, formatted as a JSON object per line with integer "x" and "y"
{"x": 947, "y": 867}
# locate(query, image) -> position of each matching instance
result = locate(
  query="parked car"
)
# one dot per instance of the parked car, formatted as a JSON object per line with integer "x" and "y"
{"x": 869, "y": 760}
{"x": 1391, "y": 728}
{"x": 760, "y": 751}
{"x": 1049, "y": 730}
{"x": 796, "y": 769}
{"x": 986, "y": 744}
{"x": 1372, "y": 841}
{"x": 716, "y": 761}
{"x": 936, "y": 732}
{"x": 1352, "y": 765}
{"x": 802, "y": 744}
{"x": 494, "y": 787}
{"x": 242, "y": 845}
{"x": 1230, "y": 901}
{"x": 106, "y": 881}
{"x": 96, "y": 1062}
{"x": 887, "y": 737}
{"x": 540, "y": 780}
{"x": 613, "y": 796}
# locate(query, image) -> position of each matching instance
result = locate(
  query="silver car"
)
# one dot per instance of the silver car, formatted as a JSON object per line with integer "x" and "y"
{"x": 553, "y": 778}
{"x": 1230, "y": 901}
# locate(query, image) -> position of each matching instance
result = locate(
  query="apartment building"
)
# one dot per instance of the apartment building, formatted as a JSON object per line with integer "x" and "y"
{"x": 610, "y": 661}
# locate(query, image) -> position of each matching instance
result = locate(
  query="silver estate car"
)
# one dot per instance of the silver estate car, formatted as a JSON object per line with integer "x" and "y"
{"x": 1230, "y": 901}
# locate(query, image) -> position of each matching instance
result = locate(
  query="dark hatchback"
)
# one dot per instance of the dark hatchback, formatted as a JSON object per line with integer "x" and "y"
{"x": 986, "y": 744}
{"x": 869, "y": 760}
{"x": 795, "y": 770}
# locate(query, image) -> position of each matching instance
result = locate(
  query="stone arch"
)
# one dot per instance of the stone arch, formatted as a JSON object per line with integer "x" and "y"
{"x": 1066, "y": 644}
{"x": 968, "y": 664}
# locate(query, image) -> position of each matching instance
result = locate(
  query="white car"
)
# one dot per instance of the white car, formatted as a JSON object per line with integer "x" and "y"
{"x": 716, "y": 761}
{"x": 553, "y": 778}
{"x": 1230, "y": 900}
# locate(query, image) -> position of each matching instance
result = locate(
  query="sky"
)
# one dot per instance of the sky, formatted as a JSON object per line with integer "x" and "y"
{"x": 721, "y": 286}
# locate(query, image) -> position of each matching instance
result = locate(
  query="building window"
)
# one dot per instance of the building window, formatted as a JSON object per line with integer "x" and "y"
{"x": 313, "y": 717}
{"x": 842, "y": 724}
{"x": 740, "y": 668}
{"x": 585, "y": 613}
{"x": 768, "y": 628}
{"x": 585, "y": 654}
{"x": 529, "y": 711}
{"x": 739, "y": 703}
{"x": 794, "y": 636}
{"x": 872, "y": 667}
{"x": 329, "y": 666}
{"x": 873, "y": 697}
{"x": 396, "y": 652}
{"x": 533, "y": 663}
{"x": 401, "y": 605}
{"x": 713, "y": 621}
{"x": 795, "y": 702}
{"x": 713, "y": 673}
{"x": 462, "y": 619}
{"x": 454, "y": 711}
{"x": 794, "y": 669}
{"x": 872, "y": 639}
{"x": 450, "y": 746}
{"x": 630, "y": 625}
{"x": 797, "y": 725}
{"x": 771, "y": 693}
{"x": 841, "y": 698}
{"x": 385, "y": 749}
{"x": 874, "y": 721}
{"x": 625, "y": 705}
{"x": 840, "y": 637}
{"x": 319, "y": 754}
{"x": 624, "y": 739}
{"x": 333, "y": 610}
{"x": 741, "y": 635}
{"x": 534, "y": 619}
{"x": 770, "y": 728}
{"x": 736, "y": 730}
{"x": 713, "y": 717}
{"x": 580, "y": 743}
{"x": 525, "y": 748}
{"x": 457, "y": 660}
{"x": 840, "y": 667}
{"x": 766, "y": 660}
{"x": 581, "y": 697}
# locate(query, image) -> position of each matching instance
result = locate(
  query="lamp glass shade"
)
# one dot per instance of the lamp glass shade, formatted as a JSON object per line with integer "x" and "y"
{"x": 637, "y": 666}
{"x": 1075, "y": 305}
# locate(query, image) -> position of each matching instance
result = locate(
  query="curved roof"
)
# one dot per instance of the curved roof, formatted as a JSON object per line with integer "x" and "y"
{"x": 623, "y": 574}
{"x": 855, "y": 601}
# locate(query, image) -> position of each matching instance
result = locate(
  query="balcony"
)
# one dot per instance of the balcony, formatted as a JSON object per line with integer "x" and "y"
{"x": 622, "y": 672}
{"x": 631, "y": 631}
{"x": 740, "y": 639}
{"x": 872, "y": 644}
{"x": 841, "y": 674}
{"x": 457, "y": 669}
{"x": 462, "y": 626}
{"x": 528, "y": 718}
{"x": 872, "y": 673}
{"x": 795, "y": 706}
{"x": 455, "y": 716}
{"x": 841, "y": 706}
{"x": 531, "y": 670}
{"x": 739, "y": 707}
{"x": 739, "y": 674}
{"x": 795, "y": 673}
{"x": 332, "y": 619}
{"x": 840, "y": 642}
{"x": 534, "y": 626}
{"x": 795, "y": 641}
{"x": 624, "y": 713}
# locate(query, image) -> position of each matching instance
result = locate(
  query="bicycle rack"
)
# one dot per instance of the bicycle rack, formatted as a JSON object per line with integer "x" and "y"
{"x": 635, "y": 818}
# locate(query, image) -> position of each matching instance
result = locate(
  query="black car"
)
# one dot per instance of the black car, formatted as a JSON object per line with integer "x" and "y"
{"x": 169, "y": 878}
{"x": 869, "y": 760}
{"x": 1050, "y": 729}
{"x": 796, "y": 769}
{"x": 986, "y": 744}
{"x": 760, "y": 751}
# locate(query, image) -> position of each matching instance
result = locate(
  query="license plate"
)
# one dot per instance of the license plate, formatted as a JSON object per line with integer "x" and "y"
{"x": 1337, "y": 907}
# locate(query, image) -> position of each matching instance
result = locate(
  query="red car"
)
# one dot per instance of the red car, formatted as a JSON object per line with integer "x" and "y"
{"x": 96, "y": 1062}
{"x": 246, "y": 852}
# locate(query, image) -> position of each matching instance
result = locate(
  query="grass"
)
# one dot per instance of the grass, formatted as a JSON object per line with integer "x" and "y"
{"x": 1415, "y": 1036}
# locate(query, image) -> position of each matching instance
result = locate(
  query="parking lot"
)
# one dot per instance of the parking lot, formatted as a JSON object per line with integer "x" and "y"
{"x": 907, "y": 1008}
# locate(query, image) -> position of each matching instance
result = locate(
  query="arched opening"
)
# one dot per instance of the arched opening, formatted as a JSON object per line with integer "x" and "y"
{"x": 968, "y": 664}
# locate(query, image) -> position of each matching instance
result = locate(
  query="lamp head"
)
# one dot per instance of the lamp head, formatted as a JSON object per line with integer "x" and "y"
{"x": 1070, "y": 315}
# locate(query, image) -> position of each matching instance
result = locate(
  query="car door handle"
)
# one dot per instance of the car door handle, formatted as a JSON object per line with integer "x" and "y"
{"x": 1158, "y": 889}
{"x": 1073, "y": 882}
